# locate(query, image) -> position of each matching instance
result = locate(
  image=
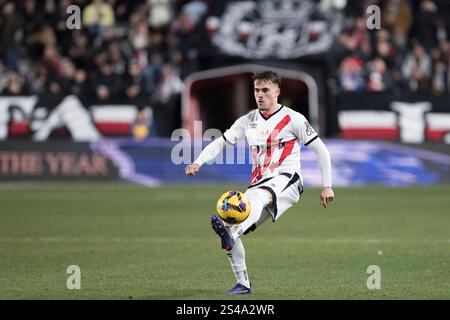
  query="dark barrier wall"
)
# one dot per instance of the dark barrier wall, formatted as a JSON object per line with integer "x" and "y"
{"x": 28, "y": 117}
{"x": 53, "y": 161}
{"x": 406, "y": 118}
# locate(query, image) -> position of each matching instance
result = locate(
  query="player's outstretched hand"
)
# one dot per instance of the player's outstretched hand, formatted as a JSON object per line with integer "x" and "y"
{"x": 326, "y": 196}
{"x": 192, "y": 169}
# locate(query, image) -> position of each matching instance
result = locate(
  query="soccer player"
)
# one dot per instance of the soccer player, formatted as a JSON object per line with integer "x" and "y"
{"x": 274, "y": 134}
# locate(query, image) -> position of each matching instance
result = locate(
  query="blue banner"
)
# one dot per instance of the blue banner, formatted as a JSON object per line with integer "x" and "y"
{"x": 355, "y": 162}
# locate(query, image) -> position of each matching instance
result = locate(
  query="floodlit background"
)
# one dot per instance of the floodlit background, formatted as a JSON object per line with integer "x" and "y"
{"x": 104, "y": 102}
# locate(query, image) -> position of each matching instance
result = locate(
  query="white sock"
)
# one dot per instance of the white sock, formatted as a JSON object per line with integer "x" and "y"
{"x": 258, "y": 199}
{"x": 237, "y": 261}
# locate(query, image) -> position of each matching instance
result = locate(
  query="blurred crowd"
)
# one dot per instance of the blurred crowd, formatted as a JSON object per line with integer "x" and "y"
{"x": 410, "y": 53}
{"x": 139, "y": 52}
{"x": 134, "y": 52}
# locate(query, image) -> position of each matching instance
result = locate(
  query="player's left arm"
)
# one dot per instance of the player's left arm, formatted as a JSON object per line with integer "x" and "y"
{"x": 324, "y": 159}
{"x": 309, "y": 137}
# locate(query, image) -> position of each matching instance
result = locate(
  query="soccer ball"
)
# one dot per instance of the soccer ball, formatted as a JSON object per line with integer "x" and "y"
{"x": 233, "y": 207}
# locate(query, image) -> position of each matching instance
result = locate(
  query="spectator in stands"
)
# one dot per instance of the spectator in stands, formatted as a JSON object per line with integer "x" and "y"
{"x": 15, "y": 85}
{"x": 152, "y": 72}
{"x": 139, "y": 36}
{"x": 117, "y": 60}
{"x": 178, "y": 58}
{"x": 59, "y": 22}
{"x": 97, "y": 15}
{"x": 161, "y": 13}
{"x": 400, "y": 42}
{"x": 397, "y": 17}
{"x": 157, "y": 43}
{"x": 442, "y": 32}
{"x": 169, "y": 85}
{"x": 184, "y": 39}
{"x": 40, "y": 38}
{"x": 355, "y": 39}
{"x": 32, "y": 15}
{"x": 67, "y": 78}
{"x": 166, "y": 100}
{"x": 439, "y": 83}
{"x": 3, "y": 75}
{"x": 351, "y": 74}
{"x": 195, "y": 9}
{"x": 379, "y": 78}
{"x": 134, "y": 90}
{"x": 143, "y": 124}
{"x": 441, "y": 62}
{"x": 10, "y": 31}
{"x": 384, "y": 48}
{"x": 80, "y": 52}
{"x": 425, "y": 24}
{"x": 416, "y": 69}
{"x": 441, "y": 53}
{"x": 107, "y": 83}
{"x": 80, "y": 86}
{"x": 122, "y": 10}
{"x": 52, "y": 59}
{"x": 49, "y": 72}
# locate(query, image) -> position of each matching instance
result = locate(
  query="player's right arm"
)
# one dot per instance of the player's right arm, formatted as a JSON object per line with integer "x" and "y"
{"x": 236, "y": 132}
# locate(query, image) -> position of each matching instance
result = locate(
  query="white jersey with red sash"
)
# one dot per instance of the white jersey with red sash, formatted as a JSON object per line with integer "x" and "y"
{"x": 275, "y": 141}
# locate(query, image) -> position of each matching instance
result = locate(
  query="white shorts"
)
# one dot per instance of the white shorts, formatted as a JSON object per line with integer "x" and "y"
{"x": 285, "y": 189}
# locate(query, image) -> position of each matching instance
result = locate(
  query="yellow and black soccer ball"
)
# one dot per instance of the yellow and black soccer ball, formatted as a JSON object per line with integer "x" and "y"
{"x": 233, "y": 207}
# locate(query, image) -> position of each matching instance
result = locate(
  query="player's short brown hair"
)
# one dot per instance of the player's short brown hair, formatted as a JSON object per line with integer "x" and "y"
{"x": 267, "y": 76}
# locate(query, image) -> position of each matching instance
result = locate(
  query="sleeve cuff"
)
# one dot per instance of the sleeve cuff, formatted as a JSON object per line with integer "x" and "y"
{"x": 306, "y": 144}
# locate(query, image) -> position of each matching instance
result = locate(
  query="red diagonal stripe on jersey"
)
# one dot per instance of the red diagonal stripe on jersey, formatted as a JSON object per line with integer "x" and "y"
{"x": 271, "y": 137}
{"x": 286, "y": 151}
{"x": 256, "y": 174}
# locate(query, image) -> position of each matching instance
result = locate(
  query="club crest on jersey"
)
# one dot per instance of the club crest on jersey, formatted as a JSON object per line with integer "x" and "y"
{"x": 263, "y": 134}
{"x": 257, "y": 135}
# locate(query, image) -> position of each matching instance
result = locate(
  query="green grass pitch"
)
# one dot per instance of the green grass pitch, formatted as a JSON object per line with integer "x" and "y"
{"x": 132, "y": 242}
